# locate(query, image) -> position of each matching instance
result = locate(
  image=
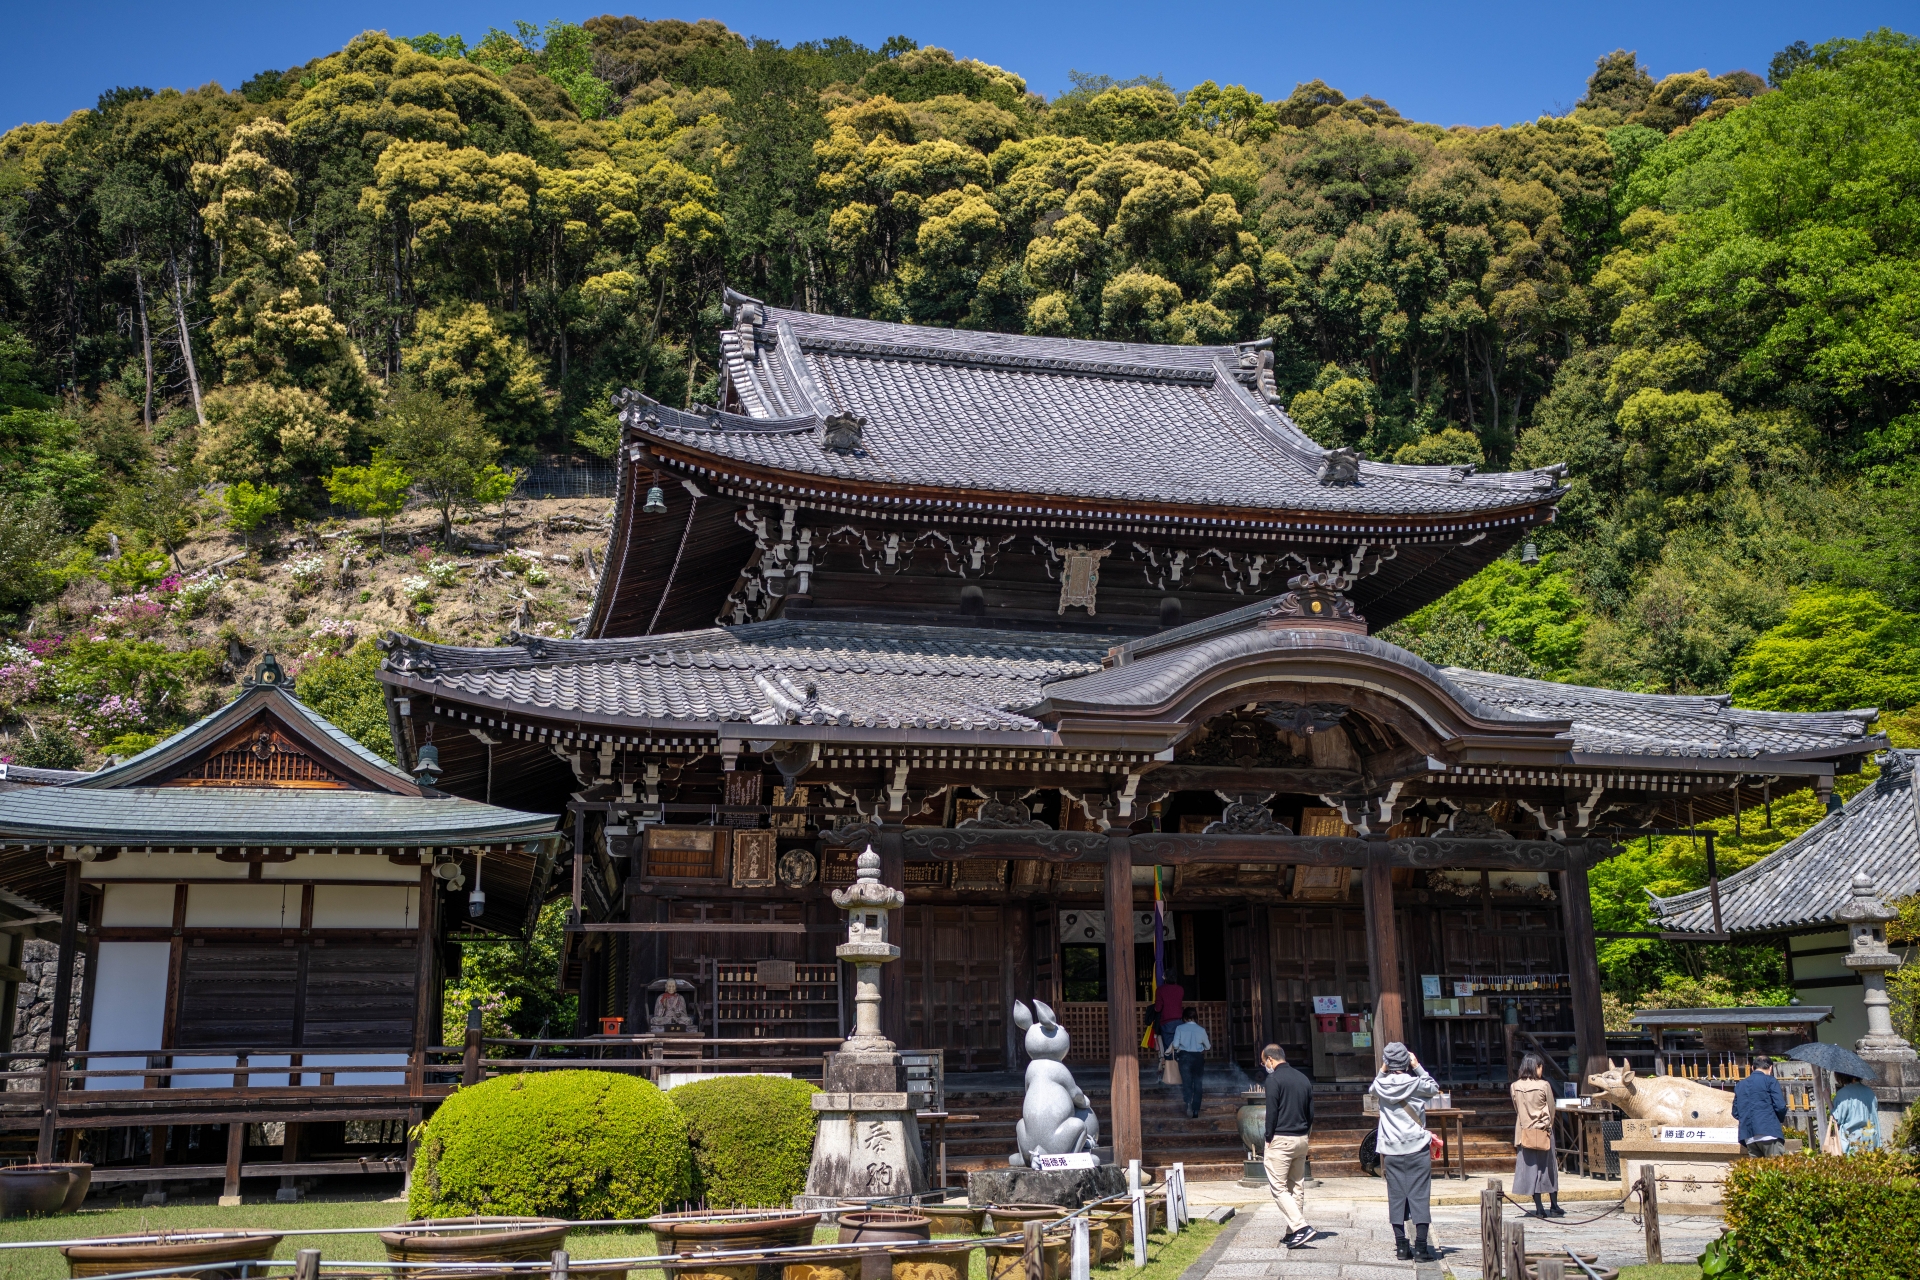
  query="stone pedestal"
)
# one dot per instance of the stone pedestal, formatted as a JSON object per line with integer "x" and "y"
{"x": 1689, "y": 1173}
{"x": 1069, "y": 1188}
{"x": 867, "y": 1143}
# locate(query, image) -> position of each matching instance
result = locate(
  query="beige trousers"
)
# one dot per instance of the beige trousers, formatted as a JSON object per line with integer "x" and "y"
{"x": 1286, "y": 1163}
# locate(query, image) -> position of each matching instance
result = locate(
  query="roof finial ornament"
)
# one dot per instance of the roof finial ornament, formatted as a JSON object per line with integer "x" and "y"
{"x": 843, "y": 433}
{"x": 1341, "y": 466}
{"x": 267, "y": 672}
{"x": 1316, "y": 600}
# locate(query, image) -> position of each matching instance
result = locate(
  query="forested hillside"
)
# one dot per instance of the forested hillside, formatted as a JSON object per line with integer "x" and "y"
{"x": 395, "y": 272}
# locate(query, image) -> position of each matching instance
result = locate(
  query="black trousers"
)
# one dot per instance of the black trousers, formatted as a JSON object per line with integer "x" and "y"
{"x": 1192, "y": 1067}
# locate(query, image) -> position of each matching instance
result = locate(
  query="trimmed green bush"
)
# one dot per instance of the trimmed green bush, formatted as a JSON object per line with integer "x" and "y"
{"x": 567, "y": 1144}
{"x": 752, "y": 1139}
{"x": 1851, "y": 1217}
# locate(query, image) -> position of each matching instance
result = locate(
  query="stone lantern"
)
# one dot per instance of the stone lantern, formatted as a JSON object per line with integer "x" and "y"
{"x": 1866, "y": 919}
{"x": 866, "y": 1145}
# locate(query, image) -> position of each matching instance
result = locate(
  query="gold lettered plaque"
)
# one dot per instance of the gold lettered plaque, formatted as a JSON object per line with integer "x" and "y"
{"x": 686, "y": 853}
{"x": 753, "y": 859}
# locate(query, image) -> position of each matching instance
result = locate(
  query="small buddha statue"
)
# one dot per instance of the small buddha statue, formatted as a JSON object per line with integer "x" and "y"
{"x": 670, "y": 1012}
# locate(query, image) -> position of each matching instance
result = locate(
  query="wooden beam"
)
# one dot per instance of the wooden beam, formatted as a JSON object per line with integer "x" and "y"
{"x": 689, "y": 926}
{"x": 1383, "y": 957}
{"x": 1122, "y": 1039}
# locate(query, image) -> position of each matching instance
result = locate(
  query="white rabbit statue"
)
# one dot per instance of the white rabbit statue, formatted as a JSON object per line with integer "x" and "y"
{"x": 1055, "y": 1117}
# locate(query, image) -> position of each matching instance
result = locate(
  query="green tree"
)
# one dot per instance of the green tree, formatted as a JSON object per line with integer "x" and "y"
{"x": 378, "y": 489}
{"x": 462, "y": 353}
{"x": 1835, "y": 649}
{"x": 274, "y": 436}
{"x": 167, "y": 503}
{"x": 496, "y": 484}
{"x": 249, "y": 507}
{"x": 346, "y": 690}
{"x": 442, "y": 443}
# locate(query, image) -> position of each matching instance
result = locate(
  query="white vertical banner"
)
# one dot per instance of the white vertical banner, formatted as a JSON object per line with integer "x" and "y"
{"x": 1082, "y": 1252}
{"x": 1139, "y": 1199}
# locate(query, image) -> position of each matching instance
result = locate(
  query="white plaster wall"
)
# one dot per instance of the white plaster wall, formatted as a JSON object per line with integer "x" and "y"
{"x": 350, "y": 906}
{"x": 129, "y": 1004}
{"x": 243, "y": 906}
{"x": 164, "y": 866}
{"x": 344, "y": 866}
{"x": 135, "y": 906}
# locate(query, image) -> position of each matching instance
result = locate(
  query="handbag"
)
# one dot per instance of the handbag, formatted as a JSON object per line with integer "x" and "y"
{"x": 1832, "y": 1144}
{"x": 1536, "y": 1139}
{"x": 1169, "y": 1071}
{"x": 1436, "y": 1146}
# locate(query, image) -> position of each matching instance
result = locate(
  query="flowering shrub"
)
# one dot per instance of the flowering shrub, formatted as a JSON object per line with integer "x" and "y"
{"x": 416, "y": 587}
{"x": 306, "y": 572}
{"x": 20, "y": 675}
{"x": 148, "y": 679}
{"x": 445, "y": 573}
{"x": 538, "y": 576}
{"x": 514, "y": 562}
{"x": 335, "y": 634}
{"x": 108, "y": 717}
{"x": 191, "y": 595}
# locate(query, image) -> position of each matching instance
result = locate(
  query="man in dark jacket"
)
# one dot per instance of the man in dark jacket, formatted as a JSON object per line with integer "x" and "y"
{"x": 1760, "y": 1105}
{"x": 1289, "y": 1118}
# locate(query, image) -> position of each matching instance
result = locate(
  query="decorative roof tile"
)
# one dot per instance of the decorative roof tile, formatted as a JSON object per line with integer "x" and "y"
{"x": 1806, "y": 880}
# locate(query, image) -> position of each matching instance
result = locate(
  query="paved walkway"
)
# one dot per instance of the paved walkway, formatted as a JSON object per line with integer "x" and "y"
{"x": 1355, "y": 1242}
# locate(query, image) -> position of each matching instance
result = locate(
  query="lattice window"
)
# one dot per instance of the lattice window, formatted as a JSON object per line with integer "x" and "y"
{"x": 262, "y": 757}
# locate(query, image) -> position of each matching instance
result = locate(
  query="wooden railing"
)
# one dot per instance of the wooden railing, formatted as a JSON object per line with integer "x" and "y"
{"x": 649, "y": 1055}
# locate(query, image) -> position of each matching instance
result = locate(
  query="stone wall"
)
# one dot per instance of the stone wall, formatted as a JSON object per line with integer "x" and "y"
{"x": 33, "y": 1012}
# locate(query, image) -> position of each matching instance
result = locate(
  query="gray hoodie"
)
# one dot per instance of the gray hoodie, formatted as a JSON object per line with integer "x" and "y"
{"x": 1403, "y": 1111}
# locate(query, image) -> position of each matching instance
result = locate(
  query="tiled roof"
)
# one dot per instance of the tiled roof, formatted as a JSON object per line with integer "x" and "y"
{"x": 893, "y": 677}
{"x": 1101, "y": 421}
{"x": 1806, "y": 880}
{"x": 1611, "y": 722}
{"x": 248, "y": 815}
{"x": 861, "y": 675}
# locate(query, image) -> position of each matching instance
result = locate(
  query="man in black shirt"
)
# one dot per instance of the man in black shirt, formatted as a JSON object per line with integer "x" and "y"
{"x": 1289, "y": 1118}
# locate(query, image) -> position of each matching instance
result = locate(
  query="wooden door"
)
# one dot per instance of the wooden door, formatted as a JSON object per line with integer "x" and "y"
{"x": 1316, "y": 951}
{"x": 956, "y": 995}
{"x": 1244, "y": 1014}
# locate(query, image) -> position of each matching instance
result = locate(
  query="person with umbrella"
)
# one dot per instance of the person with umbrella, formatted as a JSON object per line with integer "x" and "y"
{"x": 1856, "y": 1114}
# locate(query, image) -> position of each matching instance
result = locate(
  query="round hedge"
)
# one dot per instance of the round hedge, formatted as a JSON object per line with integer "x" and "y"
{"x": 752, "y": 1139}
{"x": 567, "y": 1144}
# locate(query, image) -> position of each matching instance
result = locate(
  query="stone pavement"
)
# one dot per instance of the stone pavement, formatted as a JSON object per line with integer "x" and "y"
{"x": 1355, "y": 1242}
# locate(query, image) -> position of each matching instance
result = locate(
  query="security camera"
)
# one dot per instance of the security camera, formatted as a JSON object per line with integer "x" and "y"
{"x": 477, "y": 903}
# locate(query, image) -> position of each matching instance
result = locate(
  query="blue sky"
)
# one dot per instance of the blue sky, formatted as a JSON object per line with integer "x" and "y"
{"x": 1452, "y": 64}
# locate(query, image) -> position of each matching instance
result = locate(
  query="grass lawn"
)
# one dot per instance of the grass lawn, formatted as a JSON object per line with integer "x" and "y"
{"x": 1167, "y": 1256}
{"x": 1665, "y": 1271}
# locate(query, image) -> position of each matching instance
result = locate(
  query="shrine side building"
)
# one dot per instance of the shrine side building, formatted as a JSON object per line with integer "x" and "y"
{"x": 1045, "y": 620}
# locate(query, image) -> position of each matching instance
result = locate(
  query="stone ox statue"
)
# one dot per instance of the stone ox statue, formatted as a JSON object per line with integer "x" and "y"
{"x": 1055, "y": 1117}
{"x": 1665, "y": 1100}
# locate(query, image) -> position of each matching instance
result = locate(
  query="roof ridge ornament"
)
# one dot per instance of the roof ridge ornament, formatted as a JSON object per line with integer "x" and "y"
{"x": 844, "y": 433}
{"x": 1315, "y": 600}
{"x": 1341, "y": 466}
{"x": 267, "y": 673}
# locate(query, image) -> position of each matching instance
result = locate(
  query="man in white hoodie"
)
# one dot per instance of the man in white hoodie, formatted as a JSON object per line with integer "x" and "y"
{"x": 1406, "y": 1160}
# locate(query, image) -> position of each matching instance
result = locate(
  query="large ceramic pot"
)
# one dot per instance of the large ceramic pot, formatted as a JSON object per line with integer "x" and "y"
{"x": 698, "y": 1231}
{"x": 1009, "y": 1261}
{"x": 82, "y": 1183}
{"x": 34, "y": 1190}
{"x": 955, "y": 1218}
{"x": 1112, "y": 1231}
{"x": 884, "y": 1226}
{"x": 1002, "y": 1216}
{"x": 110, "y": 1255}
{"x": 515, "y": 1240}
{"x": 938, "y": 1262}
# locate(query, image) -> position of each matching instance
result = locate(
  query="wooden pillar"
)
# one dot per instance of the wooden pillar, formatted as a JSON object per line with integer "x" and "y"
{"x": 1583, "y": 968}
{"x": 1260, "y": 950}
{"x": 62, "y": 1000}
{"x": 1013, "y": 979}
{"x": 426, "y": 1000}
{"x": 10, "y": 993}
{"x": 1383, "y": 953}
{"x": 1123, "y": 1041}
{"x": 893, "y": 977}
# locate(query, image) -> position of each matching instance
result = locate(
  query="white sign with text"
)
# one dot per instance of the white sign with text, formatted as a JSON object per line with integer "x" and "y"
{"x": 1078, "y": 1160}
{"x": 1681, "y": 1133}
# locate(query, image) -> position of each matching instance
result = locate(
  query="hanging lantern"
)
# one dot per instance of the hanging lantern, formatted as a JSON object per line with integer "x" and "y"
{"x": 1530, "y": 554}
{"x": 656, "y": 504}
{"x": 426, "y": 765}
